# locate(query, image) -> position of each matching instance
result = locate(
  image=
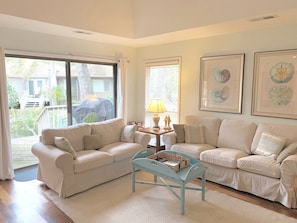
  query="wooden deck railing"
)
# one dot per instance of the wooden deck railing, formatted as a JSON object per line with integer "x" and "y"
{"x": 53, "y": 117}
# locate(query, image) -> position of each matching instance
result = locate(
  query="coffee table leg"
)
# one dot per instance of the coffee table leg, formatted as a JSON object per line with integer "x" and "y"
{"x": 182, "y": 199}
{"x": 133, "y": 178}
{"x": 203, "y": 187}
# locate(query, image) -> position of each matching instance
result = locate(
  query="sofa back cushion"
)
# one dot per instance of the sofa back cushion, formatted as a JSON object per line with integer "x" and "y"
{"x": 110, "y": 130}
{"x": 210, "y": 125}
{"x": 194, "y": 134}
{"x": 286, "y": 131}
{"x": 236, "y": 134}
{"x": 74, "y": 134}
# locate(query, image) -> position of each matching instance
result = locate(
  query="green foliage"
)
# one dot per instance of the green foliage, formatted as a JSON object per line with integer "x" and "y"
{"x": 23, "y": 122}
{"x": 58, "y": 95}
{"x": 13, "y": 98}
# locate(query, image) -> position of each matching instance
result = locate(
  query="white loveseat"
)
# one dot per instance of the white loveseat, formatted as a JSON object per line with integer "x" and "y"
{"x": 98, "y": 152}
{"x": 258, "y": 158}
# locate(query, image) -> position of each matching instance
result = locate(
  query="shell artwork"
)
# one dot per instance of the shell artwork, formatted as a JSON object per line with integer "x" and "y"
{"x": 220, "y": 95}
{"x": 280, "y": 95}
{"x": 221, "y": 76}
{"x": 282, "y": 72}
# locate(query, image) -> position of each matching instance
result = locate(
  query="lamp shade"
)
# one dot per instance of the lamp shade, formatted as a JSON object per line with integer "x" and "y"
{"x": 156, "y": 105}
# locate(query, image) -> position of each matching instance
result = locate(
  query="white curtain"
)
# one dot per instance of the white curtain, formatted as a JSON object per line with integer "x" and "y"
{"x": 122, "y": 100}
{"x": 6, "y": 168}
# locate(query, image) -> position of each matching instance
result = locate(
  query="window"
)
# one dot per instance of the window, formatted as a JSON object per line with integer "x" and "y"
{"x": 54, "y": 93}
{"x": 162, "y": 81}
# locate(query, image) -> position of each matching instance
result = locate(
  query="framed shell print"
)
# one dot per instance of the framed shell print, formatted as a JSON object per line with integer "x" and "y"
{"x": 274, "y": 84}
{"x": 221, "y": 83}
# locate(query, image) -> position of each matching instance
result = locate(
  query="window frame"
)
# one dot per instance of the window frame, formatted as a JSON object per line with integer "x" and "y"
{"x": 163, "y": 62}
{"x": 68, "y": 60}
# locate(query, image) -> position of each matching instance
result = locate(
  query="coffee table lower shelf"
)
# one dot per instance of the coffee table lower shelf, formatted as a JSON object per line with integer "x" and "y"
{"x": 159, "y": 170}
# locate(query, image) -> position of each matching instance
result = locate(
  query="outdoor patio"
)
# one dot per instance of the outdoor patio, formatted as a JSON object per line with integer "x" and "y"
{"x": 21, "y": 152}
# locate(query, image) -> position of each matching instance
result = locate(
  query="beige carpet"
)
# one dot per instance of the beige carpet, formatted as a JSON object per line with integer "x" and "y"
{"x": 115, "y": 202}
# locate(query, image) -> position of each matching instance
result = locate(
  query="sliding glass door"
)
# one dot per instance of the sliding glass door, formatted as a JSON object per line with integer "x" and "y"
{"x": 54, "y": 93}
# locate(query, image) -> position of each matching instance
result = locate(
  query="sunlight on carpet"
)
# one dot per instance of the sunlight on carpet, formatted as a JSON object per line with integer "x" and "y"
{"x": 115, "y": 202}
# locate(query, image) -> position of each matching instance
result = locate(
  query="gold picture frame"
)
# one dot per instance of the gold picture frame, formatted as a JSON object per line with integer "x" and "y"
{"x": 274, "y": 84}
{"x": 221, "y": 80}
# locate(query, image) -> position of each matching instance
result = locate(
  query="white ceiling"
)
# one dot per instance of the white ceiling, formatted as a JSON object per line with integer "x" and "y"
{"x": 139, "y": 23}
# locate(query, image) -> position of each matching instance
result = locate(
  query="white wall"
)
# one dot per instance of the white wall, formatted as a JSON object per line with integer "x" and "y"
{"x": 42, "y": 43}
{"x": 191, "y": 51}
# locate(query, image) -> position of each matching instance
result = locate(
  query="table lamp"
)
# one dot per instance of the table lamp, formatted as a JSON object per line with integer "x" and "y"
{"x": 156, "y": 106}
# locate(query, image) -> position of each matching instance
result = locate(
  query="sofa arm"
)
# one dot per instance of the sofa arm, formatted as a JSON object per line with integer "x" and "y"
{"x": 169, "y": 139}
{"x": 289, "y": 171}
{"x": 142, "y": 138}
{"x": 51, "y": 157}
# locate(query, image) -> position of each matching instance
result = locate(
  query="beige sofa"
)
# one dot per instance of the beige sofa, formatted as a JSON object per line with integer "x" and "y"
{"x": 260, "y": 159}
{"x": 88, "y": 155}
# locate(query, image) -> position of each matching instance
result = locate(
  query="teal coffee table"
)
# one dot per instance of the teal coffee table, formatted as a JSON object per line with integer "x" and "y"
{"x": 194, "y": 170}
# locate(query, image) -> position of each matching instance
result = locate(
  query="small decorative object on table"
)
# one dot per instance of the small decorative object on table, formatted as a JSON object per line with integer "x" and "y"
{"x": 174, "y": 161}
{"x": 137, "y": 124}
{"x": 167, "y": 121}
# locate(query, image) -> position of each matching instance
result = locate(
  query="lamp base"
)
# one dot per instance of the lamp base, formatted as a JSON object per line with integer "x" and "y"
{"x": 156, "y": 120}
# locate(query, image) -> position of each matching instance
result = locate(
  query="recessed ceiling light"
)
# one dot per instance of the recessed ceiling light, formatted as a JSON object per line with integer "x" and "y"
{"x": 82, "y": 32}
{"x": 263, "y": 18}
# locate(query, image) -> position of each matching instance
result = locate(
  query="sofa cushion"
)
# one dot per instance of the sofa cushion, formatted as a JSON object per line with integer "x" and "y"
{"x": 287, "y": 151}
{"x": 64, "y": 144}
{"x": 258, "y": 164}
{"x": 236, "y": 134}
{"x": 222, "y": 156}
{"x": 122, "y": 150}
{"x": 110, "y": 130}
{"x": 179, "y": 130}
{"x": 93, "y": 141}
{"x": 89, "y": 159}
{"x": 270, "y": 145}
{"x": 128, "y": 133}
{"x": 211, "y": 127}
{"x": 193, "y": 150}
{"x": 74, "y": 134}
{"x": 194, "y": 134}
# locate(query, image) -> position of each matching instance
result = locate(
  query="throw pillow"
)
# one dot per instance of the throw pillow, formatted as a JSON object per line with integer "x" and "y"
{"x": 194, "y": 134}
{"x": 270, "y": 145}
{"x": 63, "y": 144}
{"x": 287, "y": 151}
{"x": 179, "y": 130}
{"x": 93, "y": 141}
{"x": 128, "y": 133}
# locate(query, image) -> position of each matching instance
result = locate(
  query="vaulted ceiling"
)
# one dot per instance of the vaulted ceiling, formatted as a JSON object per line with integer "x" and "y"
{"x": 140, "y": 23}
